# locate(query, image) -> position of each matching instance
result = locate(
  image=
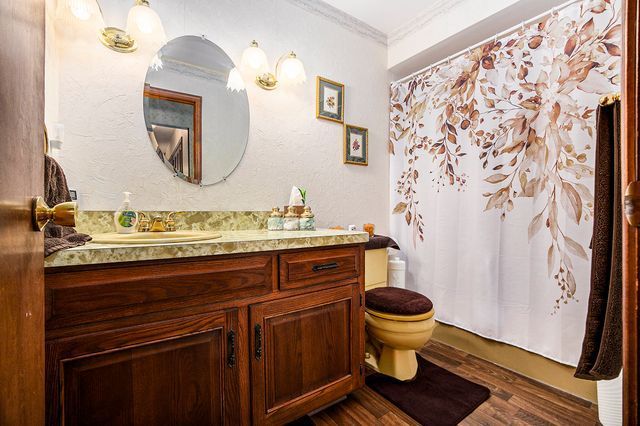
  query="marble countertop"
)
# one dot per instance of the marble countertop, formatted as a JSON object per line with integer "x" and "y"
{"x": 230, "y": 242}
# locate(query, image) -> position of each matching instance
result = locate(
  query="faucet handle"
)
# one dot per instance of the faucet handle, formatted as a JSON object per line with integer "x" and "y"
{"x": 143, "y": 224}
{"x": 171, "y": 214}
{"x": 170, "y": 222}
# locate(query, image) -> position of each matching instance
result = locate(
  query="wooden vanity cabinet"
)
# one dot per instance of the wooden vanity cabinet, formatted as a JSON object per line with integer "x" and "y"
{"x": 235, "y": 339}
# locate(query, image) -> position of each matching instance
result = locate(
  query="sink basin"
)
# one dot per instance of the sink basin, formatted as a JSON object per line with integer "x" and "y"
{"x": 153, "y": 237}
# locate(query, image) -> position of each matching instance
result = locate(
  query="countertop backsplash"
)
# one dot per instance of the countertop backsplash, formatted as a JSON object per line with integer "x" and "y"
{"x": 94, "y": 222}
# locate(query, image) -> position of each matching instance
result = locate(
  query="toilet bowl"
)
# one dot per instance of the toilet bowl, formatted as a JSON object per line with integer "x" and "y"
{"x": 398, "y": 322}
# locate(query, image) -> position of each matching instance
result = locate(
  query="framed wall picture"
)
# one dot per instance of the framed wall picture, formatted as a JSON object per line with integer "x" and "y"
{"x": 356, "y": 145}
{"x": 329, "y": 100}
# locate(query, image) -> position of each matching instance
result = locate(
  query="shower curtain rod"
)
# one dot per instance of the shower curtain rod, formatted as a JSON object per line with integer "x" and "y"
{"x": 497, "y": 36}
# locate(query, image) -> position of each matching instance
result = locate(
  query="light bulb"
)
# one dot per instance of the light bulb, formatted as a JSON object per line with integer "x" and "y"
{"x": 81, "y": 9}
{"x": 235, "y": 82}
{"x": 143, "y": 22}
{"x": 254, "y": 59}
{"x": 292, "y": 70}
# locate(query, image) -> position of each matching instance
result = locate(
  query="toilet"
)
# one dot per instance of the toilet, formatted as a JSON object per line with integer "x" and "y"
{"x": 398, "y": 322}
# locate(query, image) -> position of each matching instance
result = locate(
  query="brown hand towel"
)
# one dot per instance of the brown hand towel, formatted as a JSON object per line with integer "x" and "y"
{"x": 601, "y": 357}
{"x": 56, "y": 191}
{"x": 381, "y": 241}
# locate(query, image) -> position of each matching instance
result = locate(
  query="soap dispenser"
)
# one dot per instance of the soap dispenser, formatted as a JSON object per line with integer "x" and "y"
{"x": 125, "y": 219}
{"x": 291, "y": 220}
{"x": 307, "y": 220}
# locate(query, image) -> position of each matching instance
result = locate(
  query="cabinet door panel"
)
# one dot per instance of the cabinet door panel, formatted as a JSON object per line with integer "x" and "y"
{"x": 175, "y": 372}
{"x": 317, "y": 350}
{"x": 173, "y": 382}
{"x": 307, "y": 354}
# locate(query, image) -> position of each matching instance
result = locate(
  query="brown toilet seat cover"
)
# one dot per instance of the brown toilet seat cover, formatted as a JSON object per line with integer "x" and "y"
{"x": 399, "y": 301}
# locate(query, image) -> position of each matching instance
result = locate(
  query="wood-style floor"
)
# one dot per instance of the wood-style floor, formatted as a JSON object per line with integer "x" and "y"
{"x": 514, "y": 399}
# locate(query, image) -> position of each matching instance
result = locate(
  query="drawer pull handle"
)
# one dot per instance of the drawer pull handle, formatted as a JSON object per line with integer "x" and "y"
{"x": 258, "y": 340}
{"x": 231, "y": 348}
{"x": 324, "y": 266}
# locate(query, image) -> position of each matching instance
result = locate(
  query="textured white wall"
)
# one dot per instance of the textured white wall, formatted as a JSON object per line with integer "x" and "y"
{"x": 106, "y": 149}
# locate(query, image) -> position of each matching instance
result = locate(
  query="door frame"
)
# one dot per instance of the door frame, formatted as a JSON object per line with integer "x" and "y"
{"x": 630, "y": 236}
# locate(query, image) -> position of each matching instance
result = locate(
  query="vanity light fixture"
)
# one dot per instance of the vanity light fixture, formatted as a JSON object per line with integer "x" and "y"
{"x": 235, "y": 83}
{"x": 83, "y": 9}
{"x": 288, "y": 68}
{"x": 156, "y": 62}
{"x": 143, "y": 23}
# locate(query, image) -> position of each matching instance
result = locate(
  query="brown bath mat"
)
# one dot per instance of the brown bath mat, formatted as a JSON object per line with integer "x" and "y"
{"x": 436, "y": 397}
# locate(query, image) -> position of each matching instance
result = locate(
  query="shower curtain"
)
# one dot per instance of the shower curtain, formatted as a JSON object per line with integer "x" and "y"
{"x": 492, "y": 158}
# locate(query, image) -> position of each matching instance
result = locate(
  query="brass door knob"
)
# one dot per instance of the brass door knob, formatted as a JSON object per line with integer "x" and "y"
{"x": 632, "y": 204}
{"x": 63, "y": 214}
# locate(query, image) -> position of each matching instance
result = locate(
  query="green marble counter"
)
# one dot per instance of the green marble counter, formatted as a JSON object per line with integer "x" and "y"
{"x": 244, "y": 241}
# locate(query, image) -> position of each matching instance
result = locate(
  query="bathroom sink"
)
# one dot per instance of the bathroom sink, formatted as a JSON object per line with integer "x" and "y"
{"x": 153, "y": 237}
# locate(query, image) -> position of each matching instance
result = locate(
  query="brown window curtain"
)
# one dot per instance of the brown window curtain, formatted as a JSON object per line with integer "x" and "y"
{"x": 601, "y": 357}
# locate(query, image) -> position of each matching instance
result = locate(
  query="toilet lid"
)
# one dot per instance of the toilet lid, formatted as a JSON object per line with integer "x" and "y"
{"x": 399, "y": 301}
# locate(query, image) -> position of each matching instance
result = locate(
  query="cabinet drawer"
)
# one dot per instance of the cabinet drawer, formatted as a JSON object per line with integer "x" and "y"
{"x": 76, "y": 297}
{"x": 319, "y": 266}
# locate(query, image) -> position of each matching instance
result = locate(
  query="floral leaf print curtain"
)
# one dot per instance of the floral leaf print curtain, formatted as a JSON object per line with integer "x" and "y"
{"x": 492, "y": 178}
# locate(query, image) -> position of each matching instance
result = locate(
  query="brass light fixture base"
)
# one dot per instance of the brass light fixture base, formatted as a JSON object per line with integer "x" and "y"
{"x": 267, "y": 81}
{"x": 118, "y": 40}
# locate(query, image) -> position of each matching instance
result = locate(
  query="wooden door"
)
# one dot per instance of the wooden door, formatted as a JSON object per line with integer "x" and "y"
{"x": 176, "y": 372}
{"x": 306, "y": 353}
{"x": 21, "y": 177}
{"x": 630, "y": 235}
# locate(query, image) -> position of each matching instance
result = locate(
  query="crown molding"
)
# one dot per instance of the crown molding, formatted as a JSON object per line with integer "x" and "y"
{"x": 184, "y": 68}
{"x": 438, "y": 8}
{"x": 341, "y": 18}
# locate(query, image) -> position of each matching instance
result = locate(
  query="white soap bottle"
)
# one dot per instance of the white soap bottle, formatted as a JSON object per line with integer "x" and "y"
{"x": 125, "y": 219}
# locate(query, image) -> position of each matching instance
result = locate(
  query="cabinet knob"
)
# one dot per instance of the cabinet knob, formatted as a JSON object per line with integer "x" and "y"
{"x": 325, "y": 266}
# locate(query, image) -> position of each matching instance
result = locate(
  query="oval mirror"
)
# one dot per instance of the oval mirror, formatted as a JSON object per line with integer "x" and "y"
{"x": 197, "y": 127}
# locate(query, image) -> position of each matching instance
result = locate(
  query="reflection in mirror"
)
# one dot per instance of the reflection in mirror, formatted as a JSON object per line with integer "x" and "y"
{"x": 197, "y": 126}
{"x": 175, "y": 121}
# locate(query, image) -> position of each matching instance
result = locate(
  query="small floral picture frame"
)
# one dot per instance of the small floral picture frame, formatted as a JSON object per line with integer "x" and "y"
{"x": 356, "y": 145}
{"x": 329, "y": 100}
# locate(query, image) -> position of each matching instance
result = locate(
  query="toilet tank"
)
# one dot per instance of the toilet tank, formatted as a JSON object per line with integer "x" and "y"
{"x": 375, "y": 268}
